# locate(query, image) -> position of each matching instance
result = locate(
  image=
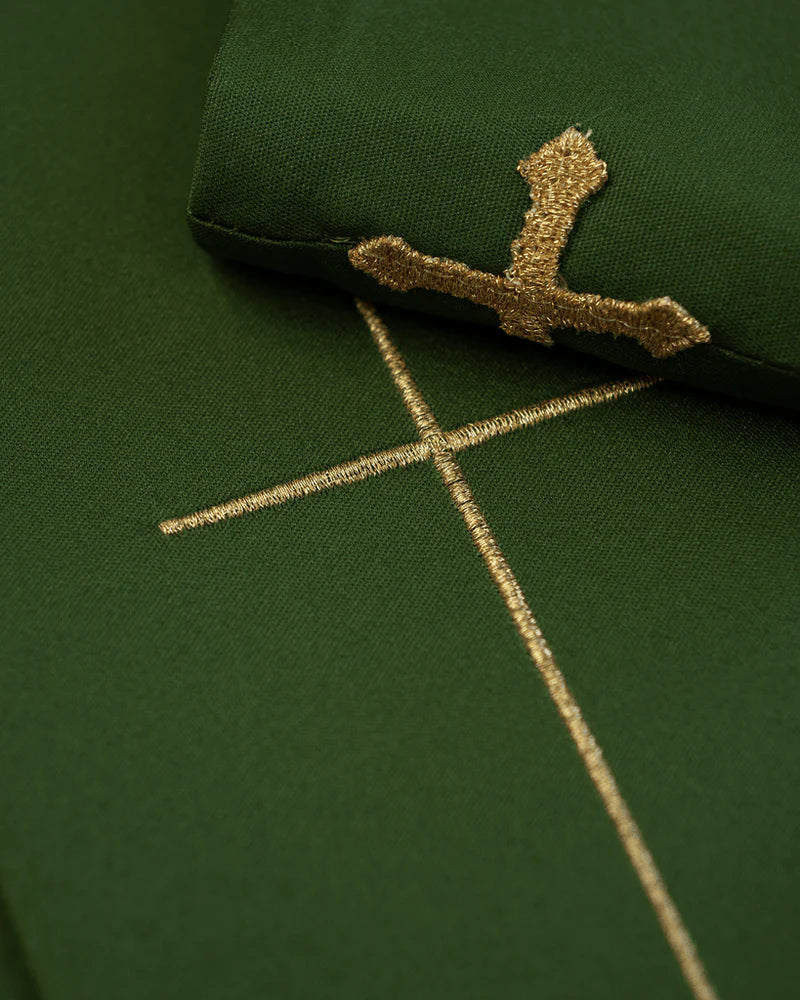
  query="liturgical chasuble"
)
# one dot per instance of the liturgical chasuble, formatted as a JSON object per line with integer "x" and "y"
{"x": 400, "y": 564}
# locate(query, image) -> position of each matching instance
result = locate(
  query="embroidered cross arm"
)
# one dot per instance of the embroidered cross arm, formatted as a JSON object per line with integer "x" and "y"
{"x": 528, "y": 298}
{"x": 561, "y": 176}
{"x": 661, "y": 326}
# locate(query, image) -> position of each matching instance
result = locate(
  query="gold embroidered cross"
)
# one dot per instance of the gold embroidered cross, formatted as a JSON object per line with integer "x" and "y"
{"x": 529, "y": 298}
{"x": 440, "y": 447}
{"x": 400, "y": 456}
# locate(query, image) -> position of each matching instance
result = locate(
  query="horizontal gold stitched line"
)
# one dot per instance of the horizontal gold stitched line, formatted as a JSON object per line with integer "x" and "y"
{"x": 515, "y": 420}
{"x": 379, "y": 462}
{"x": 337, "y": 475}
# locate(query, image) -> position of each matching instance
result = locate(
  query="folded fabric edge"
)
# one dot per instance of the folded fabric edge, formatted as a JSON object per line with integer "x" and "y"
{"x": 733, "y": 373}
{"x": 17, "y": 981}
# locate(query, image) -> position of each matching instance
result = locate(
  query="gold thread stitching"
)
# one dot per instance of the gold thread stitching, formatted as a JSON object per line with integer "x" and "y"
{"x": 529, "y": 299}
{"x": 403, "y": 455}
{"x": 338, "y": 475}
{"x": 501, "y": 573}
{"x": 484, "y": 430}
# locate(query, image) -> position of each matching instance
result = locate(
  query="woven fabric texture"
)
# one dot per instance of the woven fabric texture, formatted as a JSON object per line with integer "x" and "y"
{"x": 304, "y": 753}
{"x": 330, "y": 122}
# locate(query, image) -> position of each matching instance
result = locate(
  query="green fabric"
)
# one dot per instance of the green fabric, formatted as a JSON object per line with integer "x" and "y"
{"x": 16, "y": 981}
{"x": 329, "y": 122}
{"x": 304, "y": 754}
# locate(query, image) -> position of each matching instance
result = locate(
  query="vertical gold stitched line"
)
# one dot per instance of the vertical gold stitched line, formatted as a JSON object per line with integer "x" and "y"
{"x": 501, "y": 573}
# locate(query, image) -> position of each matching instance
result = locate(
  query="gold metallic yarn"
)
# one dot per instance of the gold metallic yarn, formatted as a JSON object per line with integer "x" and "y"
{"x": 440, "y": 447}
{"x": 402, "y": 455}
{"x": 529, "y": 299}
{"x": 630, "y": 836}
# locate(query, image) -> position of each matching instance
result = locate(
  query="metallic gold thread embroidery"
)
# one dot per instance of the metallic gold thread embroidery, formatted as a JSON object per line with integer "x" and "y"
{"x": 407, "y": 454}
{"x": 528, "y": 298}
{"x": 501, "y": 573}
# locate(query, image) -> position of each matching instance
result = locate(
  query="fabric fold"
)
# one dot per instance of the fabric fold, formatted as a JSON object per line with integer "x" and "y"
{"x": 360, "y": 119}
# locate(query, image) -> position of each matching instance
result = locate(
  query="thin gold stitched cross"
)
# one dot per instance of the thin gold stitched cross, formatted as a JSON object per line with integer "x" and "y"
{"x": 529, "y": 298}
{"x": 378, "y": 462}
{"x": 440, "y": 447}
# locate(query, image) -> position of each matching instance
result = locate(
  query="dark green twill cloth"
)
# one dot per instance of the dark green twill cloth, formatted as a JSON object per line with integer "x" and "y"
{"x": 304, "y": 754}
{"x": 328, "y": 122}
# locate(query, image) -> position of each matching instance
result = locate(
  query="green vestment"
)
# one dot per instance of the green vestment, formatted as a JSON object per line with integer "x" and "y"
{"x": 305, "y": 752}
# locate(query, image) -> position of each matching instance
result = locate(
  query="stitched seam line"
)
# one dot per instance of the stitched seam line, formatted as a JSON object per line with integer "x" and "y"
{"x": 378, "y": 462}
{"x": 306, "y": 243}
{"x": 501, "y": 573}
